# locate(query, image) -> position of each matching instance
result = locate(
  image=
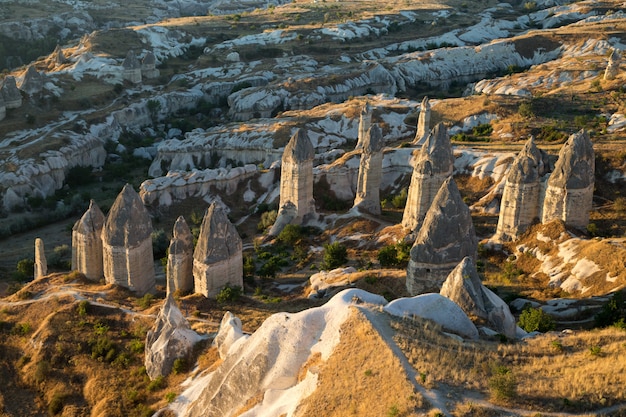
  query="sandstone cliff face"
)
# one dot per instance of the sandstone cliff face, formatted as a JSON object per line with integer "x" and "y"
{"x": 296, "y": 180}
{"x": 87, "y": 243}
{"x": 41, "y": 264}
{"x": 370, "y": 172}
{"x": 433, "y": 165}
{"x": 520, "y": 204}
{"x": 169, "y": 339}
{"x": 569, "y": 193}
{"x": 464, "y": 287}
{"x": 423, "y": 122}
{"x": 445, "y": 238}
{"x": 180, "y": 259}
{"x": 127, "y": 244}
{"x": 217, "y": 259}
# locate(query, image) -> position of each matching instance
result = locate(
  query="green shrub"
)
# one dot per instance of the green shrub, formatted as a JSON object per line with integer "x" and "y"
{"x": 335, "y": 255}
{"x": 399, "y": 200}
{"x": 145, "y": 301}
{"x": 395, "y": 255}
{"x": 525, "y": 110}
{"x": 83, "y": 308}
{"x": 170, "y": 397}
{"x": 26, "y": 268}
{"x": 290, "y": 234}
{"x": 535, "y": 319}
{"x": 229, "y": 293}
{"x": 156, "y": 384}
{"x": 483, "y": 129}
{"x": 612, "y": 311}
{"x": 42, "y": 370}
{"x": 136, "y": 346}
{"x": 179, "y": 366}
{"x": 268, "y": 218}
{"x": 160, "y": 243}
{"x": 21, "y": 329}
{"x": 502, "y": 384}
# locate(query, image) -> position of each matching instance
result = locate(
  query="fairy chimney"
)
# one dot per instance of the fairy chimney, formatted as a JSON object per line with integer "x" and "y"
{"x": 612, "y": 68}
{"x": 87, "y": 243}
{"x": 296, "y": 180}
{"x": 520, "y": 204}
{"x": 41, "y": 265}
{"x": 423, "y": 122}
{"x": 148, "y": 66}
{"x": 569, "y": 193}
{"x": 370, "y": 172}
{"x": 127, "y": 244}
{"x": 365, "y": 122}
{"x": 10, "y": 93}
{"x": 433, "y": 165}
{"x": 180, "y": 259}
{"x": 33, "y": 81}
{"x": 445, "y": 238}
{"x": 59, "y": 56}
{"x": 131, "y": 68}
{"x": 217, "y": 259}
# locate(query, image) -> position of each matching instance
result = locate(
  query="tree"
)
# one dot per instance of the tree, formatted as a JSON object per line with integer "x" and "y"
{"x": 535, "y": 320}
{"x": 335, "y": 255}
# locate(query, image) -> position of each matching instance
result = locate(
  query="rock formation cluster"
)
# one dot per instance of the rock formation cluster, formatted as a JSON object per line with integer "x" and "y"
{"x": 433, "y": 165}
{"x": 569, "y": 191}
{"x": 87, "y": 243}
{"x": 370, "y": 172}
{"x": 41, "y": 264}
{"x": 423, "y": 122}
{"x": 180, "y": 259}
{"x": 444, "y": 239}
{"x": 127, "y": 244}
{"x": 218, "y": 258}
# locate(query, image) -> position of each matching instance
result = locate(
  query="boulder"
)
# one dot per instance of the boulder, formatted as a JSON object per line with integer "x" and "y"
{"x": 569, "y": 193}
{"x": 464, "y": 287}
{"x": 434, "y": 163}
{"x": 217, "y": 259}
{"x": 446, "y": 237}
{"x": 180, "y": 259}
{"x": 87, "y": 243}
{"x": 170, "y": 338}
{"x": 370, "y": 172}
{"x": 127, "y": 244}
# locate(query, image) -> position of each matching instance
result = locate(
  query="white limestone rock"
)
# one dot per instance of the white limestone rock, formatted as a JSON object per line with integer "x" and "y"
{"x": 41, "y": 264}
{"x": 180, "y": 259}
{"x": 87, "y": 243}
{"x": 370, "y": 172}
{"x": 170, "y": 338}
{"x": 365, "y": 122}
{"x": 612, "y": 68}
{"x": 296, "y": 180}
{"x": 423, "y": 122}
{"x": 228, "y": 334}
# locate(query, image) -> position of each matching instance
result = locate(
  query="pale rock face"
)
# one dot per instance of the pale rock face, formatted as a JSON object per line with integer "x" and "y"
{"x": 217, "y": 259}
{"x": 569, "y": 193}
{"x": 365, "y": 122}
{"x": 87, "y": 243}
{"x": 41, "y": 265}
{"x": 10, "y": 93}
{"x": 286, "y": 215}
{"x": 370, "y": 172}
{"x": 445, "y": 238}
{"x": 127, "y": 244}
{"x": 433, "y": 165}
{"x": 464, "y": 287}
{"x": 180, "y": 259}
{"x": 131, "y": 68}
{"x": 296, "y": 180}
{"x": 171, "y": 338}
{"x": 33, "y": 82}
{"x": 423, "y": 122}
{"x": 229, "y": 332}
{"x": 520, "y": 204}
{"x": 148, "y": 66}
{"x": 612, "y": 68}
{"x": 59, "y": 57}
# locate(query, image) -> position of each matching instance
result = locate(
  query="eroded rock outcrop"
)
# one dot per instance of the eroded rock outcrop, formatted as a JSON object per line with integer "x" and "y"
{"x": 423, "y": 122}
{"x": 87, "y": 243}
{"x": 217, "y": 259}
{"x": 433, "y": 165}
{"x": 10, "y": 93}
{"x": 520, "y": 204}
{"x": 612, "y": 68}
{"x": 180, "y": 259}
{"x": 464, "y": 287}
{"x": 569, "y": 193}
{"x": 296, "y": 179}
{"x": 171, "y": 338}
{"x": 131, "y": 68}
{"x": 33, "y": 81}
{"x": 445, "y": 238}
{"x": 127, "y": 244}
{"x": 41, "y": 264}
{"x": 229, "y": 332}
{"x": 148, "y": 66}
{"x": 370, "y": 172}
{"x": 365, "y": 122}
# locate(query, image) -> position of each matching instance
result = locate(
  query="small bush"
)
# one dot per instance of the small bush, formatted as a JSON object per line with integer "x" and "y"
{"x": 179, "y": 366}
{"x": 170, "y": 397}
{"x": 612, "y": 311}
{"x": 394, "y": 255}
{"x": 502, "y": 384}
{"x": 525, "y": 110}
{"x": 484, "y": 129}
{"x": 268, "y": 218}
{"x": 56, "y": 404}
{"x": 156, "y": 384}
{"x": 160, "y": 243}
{"x": 335, "y": 255}
{"x": 290, "y": 234}
{"x": 26, "y": 268}
{"x": 145, "y": 301}
{"x": 595, "y": 350}
{"x": 42, "y": 370}
{"x": 229, "y": 293}
{"x": 535, "y": 319}
{"x": 83, "y": 308}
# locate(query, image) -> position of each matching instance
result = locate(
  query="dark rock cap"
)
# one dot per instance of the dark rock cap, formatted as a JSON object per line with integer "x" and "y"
{"x": 299, "y": 147}
{"x": 149, "y": 59}
{"x": 575, "y": 167}
{"x": 528, "y": 166}
{"x": 128, "y": 223}
{"x": 92, "y": 220}
{"x": 131, "y": 61}
{"x": 218, "y": 238}
{"x": 436, "y": 154}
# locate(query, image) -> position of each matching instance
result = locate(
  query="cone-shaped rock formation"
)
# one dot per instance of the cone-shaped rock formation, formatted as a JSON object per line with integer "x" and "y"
{"x": 370, "y": 172}
{"x": 423, "y": 122}
{"x": 87, "y": 243}
{"x": 10, "y": 93}
{"x": 180, "y": 259}
{"x": 131, "y": 68}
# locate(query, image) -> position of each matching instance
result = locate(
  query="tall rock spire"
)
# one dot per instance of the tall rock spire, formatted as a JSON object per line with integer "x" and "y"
{"x": 445, "y": 238}
{"x": 127, "y": 244}
{"x": 87, "y": 243}
{"x": 218, "y": 258}
{"x": 423, "y": 122}
{"x": 180, "y": 259}
{"x": 365, "y": 122}
{"x": 434, "y": 163}
{"x": 370, "y": 172}
{"x": 520, "y": 204}
{"x": 41, "y": 264}
{"x": 569, "y": 193}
